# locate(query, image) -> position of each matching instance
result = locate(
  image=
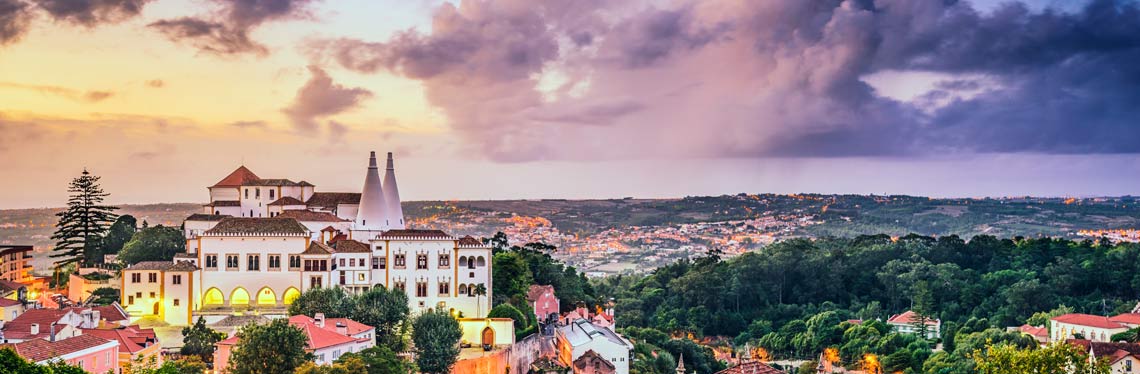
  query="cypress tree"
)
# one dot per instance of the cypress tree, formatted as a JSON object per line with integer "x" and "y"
{"x": 82, "y": 225}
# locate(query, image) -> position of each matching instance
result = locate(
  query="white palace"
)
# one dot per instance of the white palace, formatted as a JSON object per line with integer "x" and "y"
{"x": 260, "y": 243}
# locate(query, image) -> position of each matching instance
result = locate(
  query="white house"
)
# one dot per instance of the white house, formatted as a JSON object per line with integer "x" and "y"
{"x": 326, "y": 338}
{"x": 906, "y": 323}
{"x": 580, "y": 336}
{"x": 1087, "y": 326}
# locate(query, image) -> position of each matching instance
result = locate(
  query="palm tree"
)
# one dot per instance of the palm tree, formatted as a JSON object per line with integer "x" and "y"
{"x": 480, "y": 291}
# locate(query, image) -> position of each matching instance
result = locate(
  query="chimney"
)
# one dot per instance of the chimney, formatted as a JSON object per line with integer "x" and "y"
{"x": 319, "y": 320}
{"x": 341, "y": 329}
{"x": 35, "y": 329}
{"x": 370, "y": 214}
{"x": 52, "y": 332}
{"x": 394, "y": 214}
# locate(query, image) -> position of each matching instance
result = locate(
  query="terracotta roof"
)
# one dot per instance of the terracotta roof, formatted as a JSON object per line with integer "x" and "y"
{"x": 591, "y": 357}
{"x": 287, "y": 200}
{"x": 351, "y": 326}
{"x": 1088, "y": 320}
{"x": 536, "y": 291}
{"x": 277, "y": 182}
{"x": 224, "y": 203}
{"x": 317, "y": 248}
{"x": 751, "y": 367}
{"x": 237, "y": 178}
{"x": 351, "y": 246}
{"x": 319, "y": 337}
{"x": 468, "y": 240}
{"x": 163, "y": 266}
{"x": 8, "y": 302}
{"x": 1106, "y": 349}
{"x": 206, "y": 217}
{"x": 310, "y": 216}
{"x": 1126, "y": 318}
{"x": 908, "y": 318}
{"x": 332, "y": 199}
{"x": 131, "y": 338}
{"x": 38, "y": 350}
{"x": 1034, "y": 330}
{"x": 275, "y": 225}
{"x": 413, "y": 233}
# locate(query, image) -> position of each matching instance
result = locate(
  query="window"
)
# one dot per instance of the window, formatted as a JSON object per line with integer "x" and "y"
{"x": 421, "y": 262}
{"x": 247, "y": 193}
{"x": 130, "y": 299}
{"x": 342, "y": 280}
{"x": 359, "y": 277}
{"x": 211, "y": 261}
{"x": 383, "y": 262}
{"x": 152, "y": 277}
{"x": 253, "y": 262}
{"x": 136, "y": 277}
{"x": 175, "y": 302}
{"x": 421, "y": 289}
{"x": 352, "y": 262}
{"x": 152, "y": 295}
{"x": 462, "y": 289}
{"x": 176, "y": 279}
{"x": 375, "y": 263}
{"x": 470, "y": 262}
{"x": 315, "y": 282}
{"x": 342, "y": 262}
{"x": 400, "y": 261}
{"x": 400, "y": 286}
{"x": 444, "y": 288}
{"x": 309, "y": 265}
{"x": 294, "y": 262}
{"x": 275, "y": 262}
{"x": 231, "y": 262}
{"x": 271, "y": 194}
{"x": 138, "y": 295}
{"x": 257, "y": 193}
{"x": 444, "y": 261}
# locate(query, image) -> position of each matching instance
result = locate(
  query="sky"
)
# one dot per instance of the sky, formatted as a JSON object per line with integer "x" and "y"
{"x": 506, "y": 99}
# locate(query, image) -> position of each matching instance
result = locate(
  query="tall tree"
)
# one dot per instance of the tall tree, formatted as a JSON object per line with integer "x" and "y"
{"x": 923, "y": 309}
{"x": 480, "y": 293}
{"x": 383, "y": 309}
{"x": 82, "y": 225}
{"x": 198, "y": 340}
{"x": 436, "y": 336}
{"x": 276, "y": 347}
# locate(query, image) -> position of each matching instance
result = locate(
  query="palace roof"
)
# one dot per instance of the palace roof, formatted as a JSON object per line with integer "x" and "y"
{"x": 332, "y": 199}
{"x": 38, "y": 350}
{"x": 238, "y": 178}
{"x": 224, "y": 203}
{"x": 317, "y": 248}
{"x": 163, "y": 266}
{"x": 275, "y": 225}
{"x": 310, "y": 216}
{"x": 206, "y": 217}
{"x": 1088, "y": 320}
{"x": 751, "y": 367}
{"x": 287, "y": 200}
{"x": 468, "y": 240}
{"x": 278, "y": 182}
{"x": 415, "y": 233}
{"x": 351, "y": 246}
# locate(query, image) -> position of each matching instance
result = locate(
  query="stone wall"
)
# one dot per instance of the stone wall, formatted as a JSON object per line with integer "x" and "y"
{"x": 517, "y": 357}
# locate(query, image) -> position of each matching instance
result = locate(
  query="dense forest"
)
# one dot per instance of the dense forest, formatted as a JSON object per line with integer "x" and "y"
{"x": 793, "y": 299}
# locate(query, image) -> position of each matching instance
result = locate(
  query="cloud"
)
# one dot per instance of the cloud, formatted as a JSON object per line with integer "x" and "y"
{"x": 227, "y": 32}
{"x": 321, "y": 97}
{"x": 249, "y": 124}
{"x": 87, "y": 96}
{"x": 155, "y": 83}
{"x": 92, "y": 12}
{"x": 15, "y": 18}
{"x": 768, "y": 78}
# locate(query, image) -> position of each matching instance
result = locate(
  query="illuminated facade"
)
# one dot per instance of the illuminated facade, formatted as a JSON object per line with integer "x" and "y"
{"x": 15, "y": 263}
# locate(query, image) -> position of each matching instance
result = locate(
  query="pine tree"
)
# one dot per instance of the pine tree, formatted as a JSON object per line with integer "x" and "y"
{"x": 82, "y": 225}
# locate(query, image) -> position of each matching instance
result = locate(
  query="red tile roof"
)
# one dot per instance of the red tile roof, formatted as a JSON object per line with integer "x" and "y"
{"x": 287, "y": 200}
{"x": 319, "y": 337}
{"x": 237, "y": 178}
{"x": 751, "y": 367}
{"x": 908, "y": 318}
{"x": 353, "y": 327}
{"x": 38, "y": 350}
{"x": 1034, "y": 331}
{"x": 536, "y": 291}
{"x": 468, "y": 240}
{"x": 1087, "y": 320}
{"x": 21, "y": 326}
{"x": 131, "y": 338}
{"x": 330, "y": 200}
{"x": 1115, "y": 351}
{"x": 310, "y": 216}
{"x": 275, "y": 225}
{"x": 8, "y": 302}
{"x": 351, "y": 246}
{"x": 1126, "y": 318}
{"x": 317, "y": 248}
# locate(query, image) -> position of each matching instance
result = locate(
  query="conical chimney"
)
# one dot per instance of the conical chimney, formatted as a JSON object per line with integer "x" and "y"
{"x": 370, "y": 214}
{"x": 394, "y": 213}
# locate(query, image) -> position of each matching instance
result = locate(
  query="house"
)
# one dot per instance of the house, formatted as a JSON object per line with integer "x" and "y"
{"x": 67, "y": 322}
{"x": 15, "y": 263}
{"x": 580, "y": 336}
{"x": 93, "y": 354}
{"x": 1087, "y": 326}
{"x": 135, "y": 343}
{"x": 326, "y": 338}
{"x": 164, "y": 289}
{"x": 1041, "y": 334}
{"x": 10, "y": 309}
{"x": 543, "y": 301}
{"x": 1122, "y": 357}
{"x": 593, "y": 363}
{"x": 907, "y": 322}
{"x": 751, "y": 367}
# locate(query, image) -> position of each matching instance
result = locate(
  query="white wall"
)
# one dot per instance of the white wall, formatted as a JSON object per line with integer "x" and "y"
{"x": 251, "y": 281}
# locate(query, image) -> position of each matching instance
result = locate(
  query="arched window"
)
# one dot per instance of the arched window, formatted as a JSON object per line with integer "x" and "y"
{"x": 481, "y": 262}
{"x": 462, "y": 288}
{"x": 470, "y": 262}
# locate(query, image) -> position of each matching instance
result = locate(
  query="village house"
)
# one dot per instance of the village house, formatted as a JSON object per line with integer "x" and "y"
{"x": 580, "y": 337}
{"x": 1122, "y": 357}
{"x": 1091, "y": 327}
{"x": 93, "y": 354}
{"x": 907, "y": 323}
{"x": 543, "y": 301}
{"x": 326, "y": 338}
{"x": 62, "y": 323}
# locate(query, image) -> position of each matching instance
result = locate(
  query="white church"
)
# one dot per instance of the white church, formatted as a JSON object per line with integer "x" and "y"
{"x": 260, "y": 243}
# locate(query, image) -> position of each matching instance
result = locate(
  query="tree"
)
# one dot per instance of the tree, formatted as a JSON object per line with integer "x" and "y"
{"x": 104, "y": 296}
{"x": 1054, "y": 358}
{"x": 436, "y": 336}
{"x": 81, "y": 226}
{"x": 117, "y": 236}
{"x": 480, "y": 293}
{"x": 522, "y": 324}
{"x": 381, "y": 360}
{"x": 149, "y": 365}
{"x": 511, "y": 278}
{"x": 156, "y": 243}
{"x": 923, "y": 308}
{"x": 332, "y": 301}
{"x": 383, "y": 309}
{"x": 276, "y": 347}
{"x": 343, "y": 365}
{"x": 198, "y": 340}
{"x": 10, "y": 362}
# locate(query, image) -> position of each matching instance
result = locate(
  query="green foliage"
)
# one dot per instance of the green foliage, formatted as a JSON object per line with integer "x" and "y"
{"x": 198, "y": 340}
{"x": 1054, "y": 358}
{"x": 156, "y": 243}
{"x": 381, "y": 360}
{"x": 117, "y": 236}
{"x": 149, "y": 365}
{"x": 384, "y": 309}
{"x": 81, "y": 226}
{"x": 523, "y": 325}
{"x": 276, "y": 347}
{"x": 104, "y": 296}
{"x": 343, "y": 365}
{"x": 10, "y": 362}
{"x": 1042, "y": 318}
{"x": 1131, "y": 336}
{"x": 436, "y": 336}
{"x": 332, "y": 301}
{"x": 517, "y": 267}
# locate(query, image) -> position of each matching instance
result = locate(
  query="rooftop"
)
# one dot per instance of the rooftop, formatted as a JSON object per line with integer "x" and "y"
{"x": 287, "y": 200}
{"x": 38, "y": 350}
{"x": 1087, "y": 320}
{"x": 909, "y": 317}
{"x": 239, "y": 177}
{"x": 263, "y": 226}
{"x": 331, "y": 199}
{"x": 163, "y": 266}
{"x": 351, "y": 246}
{"x": 415, "y": 233}
{"x": 206, "y": 217}
{"x": 310, "y": 216}
{"x": 581, "y": 331}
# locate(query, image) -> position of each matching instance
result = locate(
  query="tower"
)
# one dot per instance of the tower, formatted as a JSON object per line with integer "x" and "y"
{"x": 681, "y": 364}
{"x": 394, "y": 214}
{"x": 371, "y": 214}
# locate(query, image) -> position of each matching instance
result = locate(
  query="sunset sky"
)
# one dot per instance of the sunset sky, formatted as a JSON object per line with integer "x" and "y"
{"x": 501, "y": 99}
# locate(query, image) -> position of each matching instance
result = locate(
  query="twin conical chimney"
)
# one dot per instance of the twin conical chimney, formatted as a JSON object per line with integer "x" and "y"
{"x": 371, "y": 212}
{"x": 394, "y": 213}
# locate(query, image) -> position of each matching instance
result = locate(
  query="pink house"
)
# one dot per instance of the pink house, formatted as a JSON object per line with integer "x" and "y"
{"x": 543, "y": 301}
{"x": 93, "y": 354}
